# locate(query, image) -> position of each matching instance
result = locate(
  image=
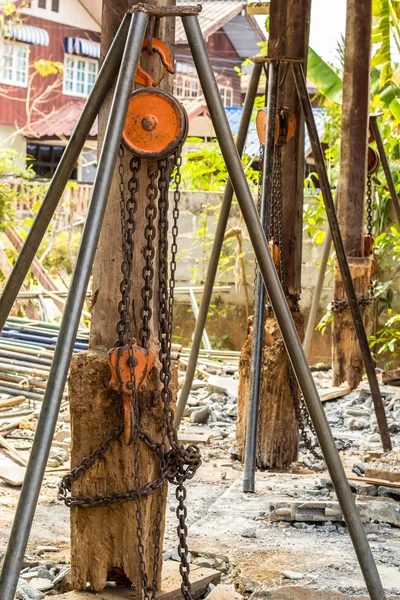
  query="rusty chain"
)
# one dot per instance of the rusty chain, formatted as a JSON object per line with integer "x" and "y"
{"x": 177, "y": 464}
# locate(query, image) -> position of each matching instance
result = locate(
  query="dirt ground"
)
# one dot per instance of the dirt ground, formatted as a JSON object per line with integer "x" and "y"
{"x": 235, "y": 528}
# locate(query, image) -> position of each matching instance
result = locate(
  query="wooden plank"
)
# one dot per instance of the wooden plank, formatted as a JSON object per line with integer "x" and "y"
{"x": 200, "y": 578}
{"x": 375, "y": 481}
{"x": 6, "y": 402}
{"x": 37, "y": 269}
{"x": 334, "y": 392}
{"x": 13, "y": 452}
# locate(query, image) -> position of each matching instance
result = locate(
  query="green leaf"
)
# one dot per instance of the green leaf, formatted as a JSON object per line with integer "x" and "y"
{"x": 395, "y": 109}
{"x": 324, "y": 77}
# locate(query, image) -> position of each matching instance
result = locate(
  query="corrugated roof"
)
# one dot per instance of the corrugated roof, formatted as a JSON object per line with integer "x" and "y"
{"x": 61, "y": 122}
{"x": 214, "y": 15}
{"x": 252, "y": 145}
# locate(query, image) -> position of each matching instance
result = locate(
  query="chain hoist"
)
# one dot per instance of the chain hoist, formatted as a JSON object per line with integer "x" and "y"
{"x": 155, "y": 129}
{"x": 373, "y": 162}
{"x": 285, "y": 129}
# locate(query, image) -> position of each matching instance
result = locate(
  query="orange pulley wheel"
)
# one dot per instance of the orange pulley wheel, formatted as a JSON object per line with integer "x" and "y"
{"x": 373, "y": 160}
{"x": 369, "y": 243}
{"x": 156, "y": 124}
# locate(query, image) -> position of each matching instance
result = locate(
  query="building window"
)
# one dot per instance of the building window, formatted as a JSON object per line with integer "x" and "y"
{"x": 42, "y": 4}
{"x": 226, "y": 95}
{"x": 14, "y": 62}
{"x": 179, "y": 88}
{"x": 55, "y": 5}
{"x": 187, "y": 87}
{"x": 44, "y": 159}
{"x": 79, "y": 75}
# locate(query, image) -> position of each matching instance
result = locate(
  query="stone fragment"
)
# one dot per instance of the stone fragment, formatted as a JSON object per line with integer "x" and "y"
{"x": 292, "y": 575}
{"x": 175, "y": 556}
{"x": 200, "y": 415}
{"x": 249, "y": 533}
{"x": 62, "y": 435}
{"x": 25, "y": 591}
{"x": 44, "y": 549}
{"x": 41, "y": 584}
{"x": 43, "y": 573}
{"x": 61, "y": 575}
{"x": 224, "y": 592}
{"x": 358, "y": 424}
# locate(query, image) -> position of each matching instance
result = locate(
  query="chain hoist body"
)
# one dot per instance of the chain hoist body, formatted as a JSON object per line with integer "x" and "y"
{"x": 155, "y": 129}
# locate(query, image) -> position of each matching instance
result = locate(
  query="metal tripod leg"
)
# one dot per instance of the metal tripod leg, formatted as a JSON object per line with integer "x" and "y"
{"x": 341, "y": 256}
{"x": 63, "y": 352}
{"x": 312, "y": 317}
{"x": 281, "y": 309}
{"x": 216, "y": 250}
{"x": 385, "y": 164}
{"x": 259, "y": 297}
{"x": 71, "y": 154}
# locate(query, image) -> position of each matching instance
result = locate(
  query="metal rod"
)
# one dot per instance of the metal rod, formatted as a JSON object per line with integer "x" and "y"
{"x": 62, "y": 356}
{"x": 259, "y": 298}
{"x": 68, "y": 160}
{"x": 312, "y": 317}
{"x": 342, "y": 259}
{"x": 216, "y": 249}
{"x": 195, "y": 308}
{"x": 385, "y": 164}
{"x": 281, "y": 309}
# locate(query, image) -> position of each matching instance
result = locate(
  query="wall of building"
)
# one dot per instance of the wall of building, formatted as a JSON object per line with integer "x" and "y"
{"x": 229, "y": 308}
{"x": 71, "y": 12}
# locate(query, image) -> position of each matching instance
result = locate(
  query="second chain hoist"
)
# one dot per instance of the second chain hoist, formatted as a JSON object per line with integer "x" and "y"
{"x": 155, "y": 129}
{"x": 285, "y": 129}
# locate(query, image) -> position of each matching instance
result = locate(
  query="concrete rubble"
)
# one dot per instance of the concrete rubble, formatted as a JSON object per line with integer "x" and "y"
{"x": 288, "y": 540}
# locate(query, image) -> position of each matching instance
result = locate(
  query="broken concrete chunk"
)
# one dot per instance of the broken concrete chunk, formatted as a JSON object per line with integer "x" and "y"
{"x": 44, "y": 549}
{"x": 27, "y": 592}
{"x": 200, "y": 415}
{"x": 292, "y": 575}
{"x": 175, "y": 556}
{"x": 219, "y": 383}
{"x": 41, "y": 584}
{"x": 224, "y": 592}
{"x": 249, "y": 533}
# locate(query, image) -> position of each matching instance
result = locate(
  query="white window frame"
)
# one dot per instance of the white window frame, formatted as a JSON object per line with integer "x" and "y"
{"x": 13, "y": 82}
{"x": 223, "y": 90}
{"x": 187, "y": 87}
{"x": 75, "y": 92}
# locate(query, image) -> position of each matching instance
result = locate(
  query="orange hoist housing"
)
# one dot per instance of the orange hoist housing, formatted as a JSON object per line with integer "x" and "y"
{"x": 125, "y": 381}
{"x": 285, "y": 125}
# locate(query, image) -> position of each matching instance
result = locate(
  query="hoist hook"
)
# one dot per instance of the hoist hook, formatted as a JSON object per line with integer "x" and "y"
{"x": 154, "y": 45}
{"x": 130, "y": 366}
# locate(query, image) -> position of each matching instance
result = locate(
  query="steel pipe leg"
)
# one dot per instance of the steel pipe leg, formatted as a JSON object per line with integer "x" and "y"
{"x": 216, "y": 250}
{"x": 68, "y": 160}
{"x": 259, "y": 298}
{"x": 312, "y": 317}
{"x": 385, "y": 164}
{"x": 69, "y": 327}
{"x": 281, "y": 309}
{"x": 341, "y": 256}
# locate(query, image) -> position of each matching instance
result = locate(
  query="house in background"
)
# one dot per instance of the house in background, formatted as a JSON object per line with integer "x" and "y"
{"x": 68, "y": 32}
{"x": 57, "y": 30}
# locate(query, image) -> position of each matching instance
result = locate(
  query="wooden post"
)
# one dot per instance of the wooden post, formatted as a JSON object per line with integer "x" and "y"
{"x": 104, "y": 544}
{"x": 279, "y": 431}
{"x": 347, "y": 360}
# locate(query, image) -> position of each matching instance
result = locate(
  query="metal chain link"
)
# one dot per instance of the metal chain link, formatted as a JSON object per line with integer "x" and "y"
{"x": 177, "y": 464}
{"x": 148, "y": 254}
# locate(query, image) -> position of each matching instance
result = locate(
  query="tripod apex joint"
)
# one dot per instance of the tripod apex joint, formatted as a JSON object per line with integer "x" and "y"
{"x": 166, "y": 11}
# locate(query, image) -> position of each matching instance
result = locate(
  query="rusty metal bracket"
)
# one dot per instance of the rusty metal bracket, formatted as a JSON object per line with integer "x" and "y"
{"x": 166, "y": 11}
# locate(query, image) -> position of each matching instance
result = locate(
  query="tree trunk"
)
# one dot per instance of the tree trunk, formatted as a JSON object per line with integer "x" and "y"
{"x": 279, "y": 430}
{"x": 104, "y": 542}
{"x": 347, "y": 359}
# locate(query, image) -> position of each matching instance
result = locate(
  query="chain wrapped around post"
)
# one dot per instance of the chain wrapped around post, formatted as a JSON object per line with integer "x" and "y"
{"x": 277, "y": 245}
{"x": 130, "y": 364}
